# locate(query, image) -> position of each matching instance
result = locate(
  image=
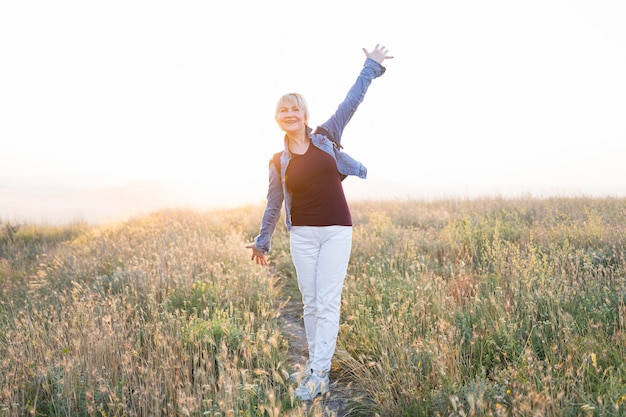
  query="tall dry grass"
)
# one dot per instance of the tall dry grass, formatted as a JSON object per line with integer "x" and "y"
{"x": 488, "y": 307}
{"x": 160, "y": 315}
{"x": 451, "y": 308}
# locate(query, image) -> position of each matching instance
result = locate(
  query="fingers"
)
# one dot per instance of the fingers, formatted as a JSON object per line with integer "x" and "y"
{"x": 260, "y": 260}
{"x": 258, "y": 257}
{"x": 379, "y": 53}
{"x": 384, "y": 51}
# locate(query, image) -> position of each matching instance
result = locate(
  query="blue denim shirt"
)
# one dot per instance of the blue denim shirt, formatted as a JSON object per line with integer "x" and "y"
{"x": 278, "y": 192}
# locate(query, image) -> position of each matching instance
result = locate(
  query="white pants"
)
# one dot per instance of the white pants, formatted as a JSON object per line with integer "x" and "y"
{"x": 320, "y": 256}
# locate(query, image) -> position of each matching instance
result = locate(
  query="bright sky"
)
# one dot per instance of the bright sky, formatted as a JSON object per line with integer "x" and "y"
{"x": 483, "y": 97}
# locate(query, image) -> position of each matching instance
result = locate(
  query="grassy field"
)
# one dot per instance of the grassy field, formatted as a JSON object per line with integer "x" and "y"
{"x": 495, "y": 307}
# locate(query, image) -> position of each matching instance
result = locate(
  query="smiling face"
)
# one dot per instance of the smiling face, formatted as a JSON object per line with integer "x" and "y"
{"x": 292, "y": 114}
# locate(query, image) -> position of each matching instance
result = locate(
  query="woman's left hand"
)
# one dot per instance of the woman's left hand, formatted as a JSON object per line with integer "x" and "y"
{"x": 379, "y": 54}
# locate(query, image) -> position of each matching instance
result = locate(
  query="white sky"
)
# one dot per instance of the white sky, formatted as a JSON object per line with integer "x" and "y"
{"x": 483, "y": 97}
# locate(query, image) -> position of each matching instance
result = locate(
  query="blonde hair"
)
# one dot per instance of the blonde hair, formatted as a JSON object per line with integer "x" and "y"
{"x": 293, "y": 98}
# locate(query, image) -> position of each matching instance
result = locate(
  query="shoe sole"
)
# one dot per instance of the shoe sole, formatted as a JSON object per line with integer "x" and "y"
{"x": 309, "y": 397}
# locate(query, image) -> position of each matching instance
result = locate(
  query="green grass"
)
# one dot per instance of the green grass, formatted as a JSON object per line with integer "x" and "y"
{"x": 450, "y": 308}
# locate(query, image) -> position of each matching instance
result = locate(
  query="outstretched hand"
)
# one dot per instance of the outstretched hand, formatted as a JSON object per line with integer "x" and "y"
{"x": 378, "y": 54}
{"x": 257, "y": 255}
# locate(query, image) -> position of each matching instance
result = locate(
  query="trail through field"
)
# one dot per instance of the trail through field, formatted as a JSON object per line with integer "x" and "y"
{"x": 335, "y": 405}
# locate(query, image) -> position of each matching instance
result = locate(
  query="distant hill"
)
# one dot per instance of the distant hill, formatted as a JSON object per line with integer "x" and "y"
{"x": 61, "y": 200}
{"x": 57, "y": 201}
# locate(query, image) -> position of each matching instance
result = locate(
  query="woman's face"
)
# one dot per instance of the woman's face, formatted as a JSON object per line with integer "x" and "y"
{"x": 290, "y": 117}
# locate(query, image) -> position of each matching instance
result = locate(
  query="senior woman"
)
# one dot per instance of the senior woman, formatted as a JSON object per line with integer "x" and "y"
{"x": 307, "y": 177}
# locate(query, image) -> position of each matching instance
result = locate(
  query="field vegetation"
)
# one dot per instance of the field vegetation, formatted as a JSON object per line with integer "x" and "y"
{"x": 453, "y": 307}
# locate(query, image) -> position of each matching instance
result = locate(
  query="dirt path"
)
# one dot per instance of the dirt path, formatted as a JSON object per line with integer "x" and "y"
{"x": 335, "y": 405}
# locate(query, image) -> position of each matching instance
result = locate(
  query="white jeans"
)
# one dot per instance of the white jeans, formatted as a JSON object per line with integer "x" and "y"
{"x": 320, "y": 256}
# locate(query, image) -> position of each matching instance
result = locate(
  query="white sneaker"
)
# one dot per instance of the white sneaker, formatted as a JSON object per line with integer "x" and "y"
{"x": 315, "y": 384}
{"x": 300, "y": 374}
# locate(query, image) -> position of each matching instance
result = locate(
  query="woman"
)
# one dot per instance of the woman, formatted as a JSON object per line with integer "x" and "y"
{"x": 307, "y": 177}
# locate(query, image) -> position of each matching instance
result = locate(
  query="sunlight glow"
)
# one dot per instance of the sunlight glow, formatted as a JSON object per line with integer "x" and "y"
{"x": 482, "y": 97}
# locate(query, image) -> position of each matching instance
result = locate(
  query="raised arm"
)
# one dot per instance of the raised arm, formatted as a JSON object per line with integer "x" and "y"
{"x": 371, "y": 69}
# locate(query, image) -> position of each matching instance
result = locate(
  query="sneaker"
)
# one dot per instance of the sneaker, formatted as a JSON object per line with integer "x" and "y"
{"x": 301, "y": 373}
{"x": 315, "y": 384}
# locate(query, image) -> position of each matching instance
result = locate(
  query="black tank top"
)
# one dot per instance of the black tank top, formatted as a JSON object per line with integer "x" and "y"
{"x": 317, "y": 195}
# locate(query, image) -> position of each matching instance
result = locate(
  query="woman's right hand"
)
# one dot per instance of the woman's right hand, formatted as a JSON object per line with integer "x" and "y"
{"x": 257, "y": 255}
